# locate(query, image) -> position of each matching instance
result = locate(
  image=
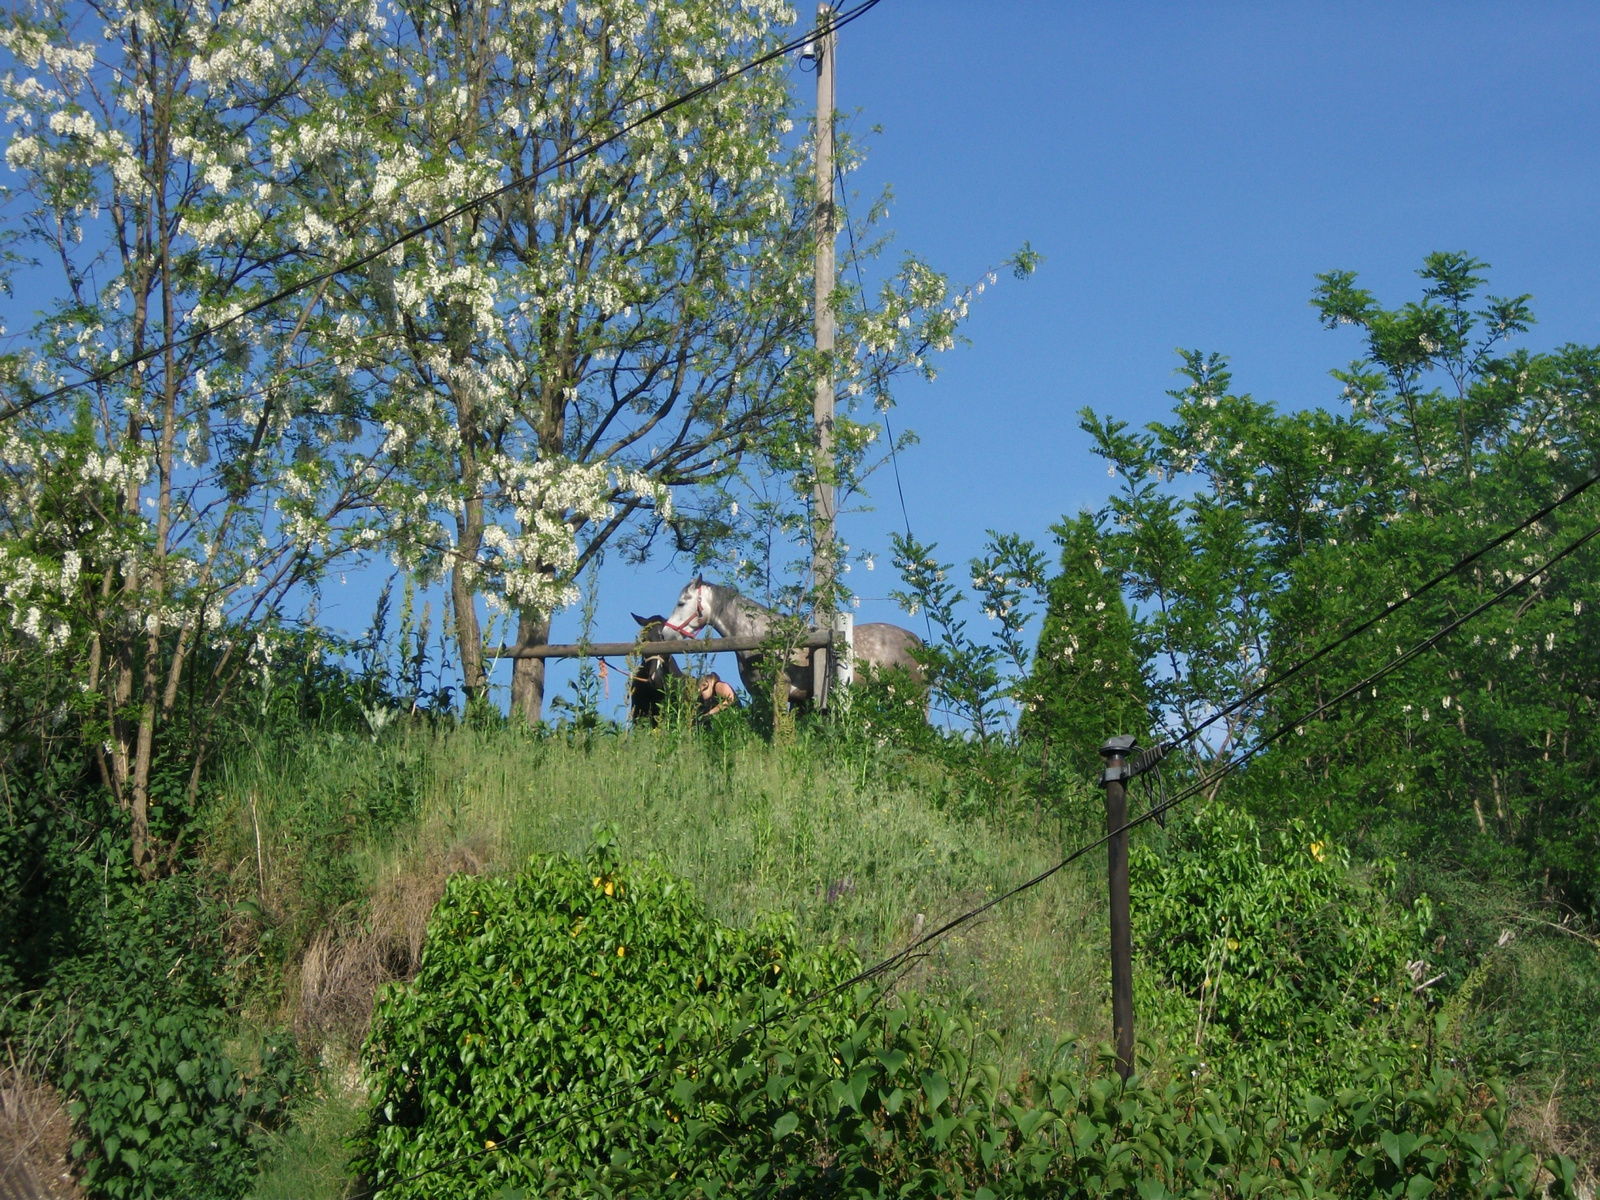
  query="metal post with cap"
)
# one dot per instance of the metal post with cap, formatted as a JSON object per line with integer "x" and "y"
{"x": 1115, "y": 777}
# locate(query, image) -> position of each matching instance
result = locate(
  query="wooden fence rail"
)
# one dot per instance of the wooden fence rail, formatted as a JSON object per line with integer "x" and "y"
{"x": 813, "y": 641}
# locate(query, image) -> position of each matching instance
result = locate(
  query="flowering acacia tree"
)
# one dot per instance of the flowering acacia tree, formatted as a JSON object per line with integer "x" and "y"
{"x": 157, "y": 523}
{"x": 591, "y": 359}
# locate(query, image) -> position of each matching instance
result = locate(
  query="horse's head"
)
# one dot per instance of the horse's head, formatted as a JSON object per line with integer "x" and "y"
{"x": 653, "y": 669}
{"x": 690, "y": 614}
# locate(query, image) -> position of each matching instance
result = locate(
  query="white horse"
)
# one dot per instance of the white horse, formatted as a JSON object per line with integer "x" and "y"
{"x": 878, "y": 646}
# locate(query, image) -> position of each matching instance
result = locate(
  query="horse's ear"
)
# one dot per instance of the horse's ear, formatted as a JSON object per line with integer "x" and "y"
{"x": 641, "y": 620}
{"x": 699, "y": 581}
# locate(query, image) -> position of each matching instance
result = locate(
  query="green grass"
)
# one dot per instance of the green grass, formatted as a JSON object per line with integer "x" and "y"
{"x": 844, "y": 842}
{"x": 309, "y": 1160}
{"x": 1536, "y": 1017}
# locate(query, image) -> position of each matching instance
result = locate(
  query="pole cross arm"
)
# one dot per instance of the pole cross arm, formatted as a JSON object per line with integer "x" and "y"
{"x": 819, "y": 639}
{"x": 1121, "y": 770}
{"x": 1148, "y": 757}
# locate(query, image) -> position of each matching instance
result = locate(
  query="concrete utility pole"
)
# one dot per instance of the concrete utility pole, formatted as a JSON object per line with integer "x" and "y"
{"x": 1117, "y": 774}
{"x": 825, "y": 499}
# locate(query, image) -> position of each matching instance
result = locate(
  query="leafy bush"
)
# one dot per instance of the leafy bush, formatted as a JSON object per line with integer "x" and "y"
{"x": 159, "y": 1104}
{"x": 162, "y": 1109}
{"x": 911, "y": 1101}
{"x": 583, "y": 1029}
{"x": 1273, "y": 947}
{"x": 550, "y": 995}
{"x": 887, "y": 708}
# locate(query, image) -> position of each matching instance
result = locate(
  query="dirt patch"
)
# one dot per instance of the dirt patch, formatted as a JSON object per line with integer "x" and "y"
{"x": 35, "y": 1135}
{"x": 345, "y": 966}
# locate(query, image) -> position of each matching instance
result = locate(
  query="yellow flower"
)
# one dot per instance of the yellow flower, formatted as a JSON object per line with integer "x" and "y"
{"x": 621, "y": 950}
{"x": 1318, "y": 850}
{"x": 610, "y": 887}
{"x": 1232, "y": 944}
{"x": 487, "y": 1144}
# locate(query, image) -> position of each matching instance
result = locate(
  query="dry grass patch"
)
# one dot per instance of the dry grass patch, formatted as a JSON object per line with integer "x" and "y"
{"x": 348, "y": 961}
{"x": 35, "y": 1135}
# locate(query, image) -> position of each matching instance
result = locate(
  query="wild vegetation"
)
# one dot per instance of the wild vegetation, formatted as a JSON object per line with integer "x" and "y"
{"x": 288, "y": 914}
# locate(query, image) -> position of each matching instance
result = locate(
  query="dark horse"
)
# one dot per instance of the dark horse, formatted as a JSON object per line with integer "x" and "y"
{"x": 647, "y": 687}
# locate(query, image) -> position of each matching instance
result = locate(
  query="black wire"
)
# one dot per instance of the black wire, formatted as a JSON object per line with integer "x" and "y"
{"x": 866, "y": 306}
{"x": 1233, "y": 764}
{"x": 837, "y": 22}
{"x": 1155, "y": 753}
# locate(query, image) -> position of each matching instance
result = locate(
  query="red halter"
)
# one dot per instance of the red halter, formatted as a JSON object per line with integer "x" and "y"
{"x": 696, "y": 621}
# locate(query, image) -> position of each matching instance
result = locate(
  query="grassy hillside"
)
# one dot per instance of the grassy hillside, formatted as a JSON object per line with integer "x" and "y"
{"x": 345, "y": 843}
{"x": 342, "y": 845}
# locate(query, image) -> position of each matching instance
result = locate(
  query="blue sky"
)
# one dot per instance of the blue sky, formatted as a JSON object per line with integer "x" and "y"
{"x": 1187, "y": 170}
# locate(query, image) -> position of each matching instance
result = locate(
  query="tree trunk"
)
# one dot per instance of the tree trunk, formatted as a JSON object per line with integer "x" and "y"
{"x": 527, "y": 674}
{"x": 469, "y": 638}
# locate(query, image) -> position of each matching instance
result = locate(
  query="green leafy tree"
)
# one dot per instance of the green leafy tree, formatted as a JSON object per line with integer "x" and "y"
{"x": 975, "y": 676}
{"x": 1086, "y": 684}
{"x": 1251, "y": 537}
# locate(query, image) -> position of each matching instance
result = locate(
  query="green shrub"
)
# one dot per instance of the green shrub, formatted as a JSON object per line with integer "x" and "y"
{"x": 583, "y": 1029}
{"x": 162, "y": 1110}
{"x": 911, "y": 1102}
{"x": 542, "y": 1001}
{"x": 1270, "y": 949}
{"x": 886, "y": 708}
{"x": 160, "y": 1106}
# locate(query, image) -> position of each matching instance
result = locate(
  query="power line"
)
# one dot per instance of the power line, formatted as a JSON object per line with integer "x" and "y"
{"x": 838, "y": 21}
{"x": 1232, "y": 764}
{"x": 1156, "y": 752}
{"x": 866, "y": 306}
{"x": 888, "y": 430}
{"x": 1151, "y": 757}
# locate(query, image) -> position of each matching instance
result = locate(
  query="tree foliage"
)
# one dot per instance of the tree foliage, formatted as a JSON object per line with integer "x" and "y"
{"x": 1247, "y": 538}
{"x": 1085, "y": 684}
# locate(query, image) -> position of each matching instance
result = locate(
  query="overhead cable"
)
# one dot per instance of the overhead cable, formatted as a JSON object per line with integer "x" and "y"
{"x": 1217, "y": 774}
{"x": 1152, "y": 754}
